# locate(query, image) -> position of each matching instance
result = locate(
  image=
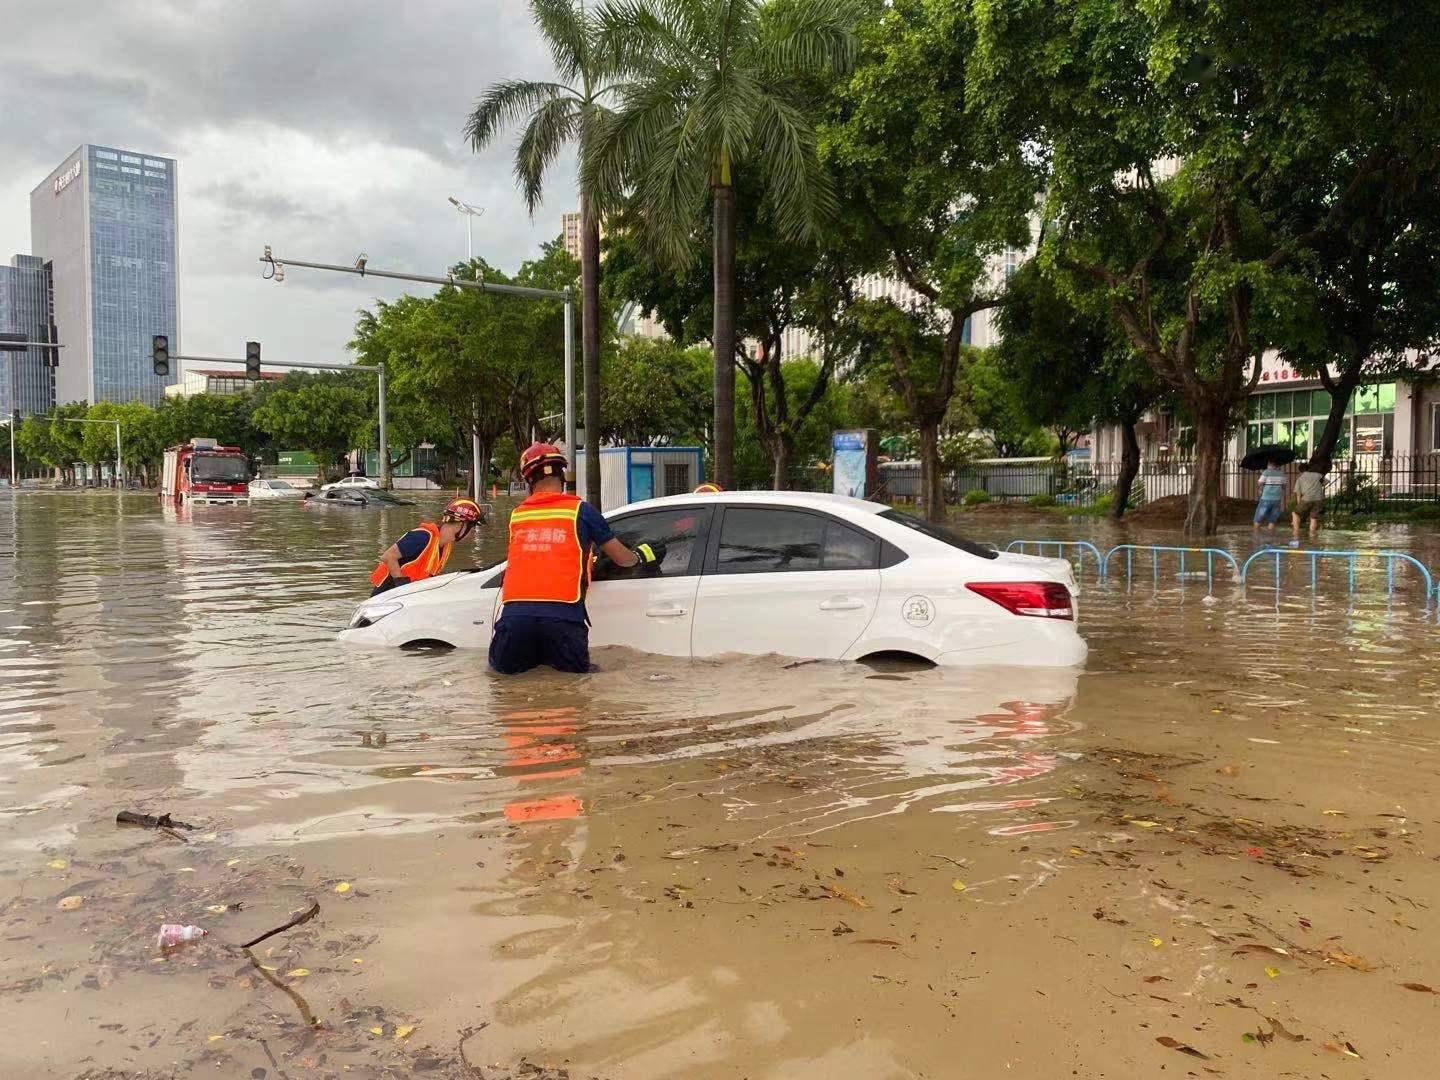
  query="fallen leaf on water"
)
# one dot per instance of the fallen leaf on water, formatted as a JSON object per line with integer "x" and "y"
{"x": 1145, "y": 824}
{"x": 1255, "y": 853}
{"x": 356, "y": 960}
{"x": 210, "y": 836}
{"x": 876, "y": 941}
{"x": 1157, "y": 942}
{"x": 58, "y": 864}
{"x": 343, "y": 887}
{"x": 1156, "y": 978}
{"x": 1274, "y": 973}
{"x": 233, "y": 862}
{"x": 1420, "y": 988}
{"x": 186, "y": 870}
{"x": 1350, "y": 960}
{"x": 403, "y": 1031}
{"x": 70, "y": 903}
{"x": 1230, "y": 770}
{"x": 377, "y": 1031}
{"x": 267, "y": 967}
{"x": 848, "y": 897}
{"x": 1184, "y": 1048}
{"x": 1282, "y": 1032}
{"x": 1333, "y": 813}
{"x": 297, "y": 973}
{"x": 1347, "y": 1049}
{"x": 1076, "y": 851}
{"x": 958, "y": 885}
{"x": 1252, "y": 947}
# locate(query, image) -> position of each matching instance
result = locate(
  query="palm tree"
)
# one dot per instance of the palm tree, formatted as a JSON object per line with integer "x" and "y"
{"x": 555, "y": 114}
{"x": 715, "y": 88}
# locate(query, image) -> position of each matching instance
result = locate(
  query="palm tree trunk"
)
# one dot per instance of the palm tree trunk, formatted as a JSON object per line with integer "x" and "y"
{"x": 724, "y": 333}
{"x": 590, "y": 344}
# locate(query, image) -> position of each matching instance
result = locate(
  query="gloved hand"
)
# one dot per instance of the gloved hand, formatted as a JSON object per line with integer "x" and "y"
{"x": 650, "y": 555}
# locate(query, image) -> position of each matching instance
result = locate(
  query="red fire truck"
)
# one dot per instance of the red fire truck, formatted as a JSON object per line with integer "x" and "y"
{"x": 201, "y": 471}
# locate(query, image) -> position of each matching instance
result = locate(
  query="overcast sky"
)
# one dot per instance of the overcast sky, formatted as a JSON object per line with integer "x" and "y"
{"x": 321, "y": 127}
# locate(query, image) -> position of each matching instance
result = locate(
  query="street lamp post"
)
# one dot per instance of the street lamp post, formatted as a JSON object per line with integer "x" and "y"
{"x": 119, "y": 464}
{"x": 470, "y": 213}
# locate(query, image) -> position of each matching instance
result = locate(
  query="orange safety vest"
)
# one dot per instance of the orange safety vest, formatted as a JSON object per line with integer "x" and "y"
{"x": 546, "y": 561}
{"x": 427, "y": 564}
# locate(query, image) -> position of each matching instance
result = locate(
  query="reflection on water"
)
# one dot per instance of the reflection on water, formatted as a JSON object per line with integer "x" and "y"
{"x": 551, "y": 830}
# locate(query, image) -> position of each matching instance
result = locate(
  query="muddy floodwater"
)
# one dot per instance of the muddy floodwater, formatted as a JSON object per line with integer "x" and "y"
{"x": 1212, "y": 852}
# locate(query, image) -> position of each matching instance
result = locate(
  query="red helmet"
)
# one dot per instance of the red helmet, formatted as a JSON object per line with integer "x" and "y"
{"x": 708, "y": 489}
{"x": 463, "y": 510}
{"x": 541, "y": 459}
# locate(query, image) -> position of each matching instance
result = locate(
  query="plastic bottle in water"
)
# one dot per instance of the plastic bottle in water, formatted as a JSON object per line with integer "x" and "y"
{"x": 172, "y": 934}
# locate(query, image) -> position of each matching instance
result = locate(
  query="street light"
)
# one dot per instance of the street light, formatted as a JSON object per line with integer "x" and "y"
{"x": 470, "y": 213}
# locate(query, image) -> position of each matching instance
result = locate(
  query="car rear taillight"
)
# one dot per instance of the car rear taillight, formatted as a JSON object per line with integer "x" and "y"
{"x": 1042, "y": 599}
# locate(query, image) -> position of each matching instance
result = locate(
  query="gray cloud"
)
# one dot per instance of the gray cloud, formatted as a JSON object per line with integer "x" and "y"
{"x": 323, "y": 128}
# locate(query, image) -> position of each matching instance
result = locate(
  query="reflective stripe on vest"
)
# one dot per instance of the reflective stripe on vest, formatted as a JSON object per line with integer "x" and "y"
{"x": 546, "y": 561}
{"x": 427, "y": 564}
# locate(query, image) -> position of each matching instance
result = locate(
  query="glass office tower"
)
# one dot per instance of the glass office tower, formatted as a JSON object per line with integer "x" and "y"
{"x": 106, "y": 221}
{"x": 27, "y": 379}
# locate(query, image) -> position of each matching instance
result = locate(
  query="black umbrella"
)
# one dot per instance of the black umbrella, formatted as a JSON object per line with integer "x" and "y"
{"x": 1262, "y": 456}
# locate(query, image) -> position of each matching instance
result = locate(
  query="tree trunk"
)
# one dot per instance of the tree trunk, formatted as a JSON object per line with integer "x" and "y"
{"x": 1129, "y": 469}
{"x": 590, "y": 344}
{"x": 782, "y": 451}
{"x": 724, "y": 333}
{"x": 932, "y": 488}
{"x": 1341, "y": 391}
{"x": 1204, "y": 511}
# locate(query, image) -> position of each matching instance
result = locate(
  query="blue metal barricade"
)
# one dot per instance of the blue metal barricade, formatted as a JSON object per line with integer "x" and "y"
{"x": 1080, "y": 547}
{"x": 1155, "y": 550}
{"x": 1351, "y": 558}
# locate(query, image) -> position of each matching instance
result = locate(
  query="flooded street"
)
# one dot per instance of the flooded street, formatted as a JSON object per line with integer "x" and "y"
{"x": 1212, "y": 852}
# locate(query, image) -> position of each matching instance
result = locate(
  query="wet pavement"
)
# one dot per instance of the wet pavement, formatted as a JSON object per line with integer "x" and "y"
{"x": 1208, "y": 854}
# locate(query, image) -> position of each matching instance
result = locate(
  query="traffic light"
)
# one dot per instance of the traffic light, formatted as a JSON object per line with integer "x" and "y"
{"x": 160, "y": 354}
{"x": 252, "y": 361}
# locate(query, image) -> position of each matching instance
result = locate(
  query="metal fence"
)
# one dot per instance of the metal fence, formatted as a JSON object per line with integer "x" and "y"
{"x": 1363, "y": 483}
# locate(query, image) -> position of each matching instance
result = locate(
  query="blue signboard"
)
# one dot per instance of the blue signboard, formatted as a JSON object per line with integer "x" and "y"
{"x": 850, "y": 459}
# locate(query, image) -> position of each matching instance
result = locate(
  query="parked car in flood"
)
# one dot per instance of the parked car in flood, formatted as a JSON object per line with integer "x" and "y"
{"x": 801, "y": 574}
{"x": 351, "y": 482}
{"x": 274, "y": 489}
{"x": 354, "y": 498}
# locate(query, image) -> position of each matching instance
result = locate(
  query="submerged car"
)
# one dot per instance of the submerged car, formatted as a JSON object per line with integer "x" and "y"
{"x": 355, "y": 498}
{"x": 804, "y": 575}
{"x": 274, "y": 489}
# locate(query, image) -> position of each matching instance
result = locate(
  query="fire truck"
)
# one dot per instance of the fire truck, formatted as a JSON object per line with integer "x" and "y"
{"x": 202, "y": 471}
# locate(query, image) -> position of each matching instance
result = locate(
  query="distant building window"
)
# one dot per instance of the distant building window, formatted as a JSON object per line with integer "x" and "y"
{"x": 107, "y": 168}
{"x": 128, "y": 169}
{"x": 107, "y": 155}
{"x": 157, "y": 175}
{"x": 131, "y": 160}
{"x": 153, "y": 164}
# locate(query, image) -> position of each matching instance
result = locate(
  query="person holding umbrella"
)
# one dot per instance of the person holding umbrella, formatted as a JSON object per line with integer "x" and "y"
{"x": 1271, "y": 504}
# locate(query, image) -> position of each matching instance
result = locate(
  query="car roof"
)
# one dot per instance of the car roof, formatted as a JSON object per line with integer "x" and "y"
{"x": 811, "y": 500}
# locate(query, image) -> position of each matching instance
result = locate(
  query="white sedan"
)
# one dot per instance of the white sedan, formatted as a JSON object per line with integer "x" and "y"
{"x": 805, "y": 575}
{"x": 352, "y": 482}
{"x": 273, "y": 489}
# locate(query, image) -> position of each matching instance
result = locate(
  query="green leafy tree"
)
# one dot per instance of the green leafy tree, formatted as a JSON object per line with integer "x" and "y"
{"x": 1168, "y": 127}
{"x": 656, "y": 392}
{"x": 557, "y": 114}
{"x": 996, "y": 405}
{"x": 717, "y": 90}
{"x": 325, "y": 415}
{"x": 928, "y": 196}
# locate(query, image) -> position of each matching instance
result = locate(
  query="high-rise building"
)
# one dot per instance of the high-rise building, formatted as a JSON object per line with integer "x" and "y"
{"x": 570, "y": 226}
{"x": 27, "y": 379}
{"x": 105, "y": 220}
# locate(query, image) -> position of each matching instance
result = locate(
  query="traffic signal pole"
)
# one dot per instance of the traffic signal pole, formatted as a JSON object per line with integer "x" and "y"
{"x": 566, "y": 295}
{"x": 378, "y": 369}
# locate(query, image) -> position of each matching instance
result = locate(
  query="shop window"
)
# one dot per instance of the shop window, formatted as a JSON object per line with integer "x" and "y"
{"x": 1267, "y": 406}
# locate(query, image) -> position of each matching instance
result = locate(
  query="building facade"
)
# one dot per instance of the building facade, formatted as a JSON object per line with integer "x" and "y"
{"x": 27, "y": 379}
{"x": 218, "y": 383}
{"x": 106, "y": 221}
{"x": 570, "y": 229}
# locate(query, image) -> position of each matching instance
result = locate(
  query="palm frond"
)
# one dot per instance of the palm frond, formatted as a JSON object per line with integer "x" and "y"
{"x": 551, "y": 126}
{"x": 807, "y": 38}
{"x": 506, "y": 104}
{"x": 797, "y": 187}
{"x": 635, "y": 36}
{"x": 563, "y": 26}
{"x": 621, "y": 140}
{"x": 671, "y": 191}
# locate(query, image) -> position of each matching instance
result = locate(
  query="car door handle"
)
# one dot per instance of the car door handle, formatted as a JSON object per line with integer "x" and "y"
{"x": 841, "y": 603}
{"x": 669, "y": 611}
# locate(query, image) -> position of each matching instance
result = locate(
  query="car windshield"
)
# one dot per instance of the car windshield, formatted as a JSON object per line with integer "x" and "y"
{"x": 939, "y": 532}
{"x": 229, "y": 469}
{"x": 280, "y": 485}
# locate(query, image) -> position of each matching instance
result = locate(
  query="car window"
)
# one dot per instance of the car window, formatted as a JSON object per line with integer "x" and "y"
{"x": 939, "y": 532}
{"x": 672, "y": 532}
{"x": 849, "y": 549}
{"x": 760, "y": 540}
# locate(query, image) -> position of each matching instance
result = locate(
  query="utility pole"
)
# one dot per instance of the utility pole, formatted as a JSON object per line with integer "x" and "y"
{"x": 378, "y": 369}
{"x": 275, "y": 270}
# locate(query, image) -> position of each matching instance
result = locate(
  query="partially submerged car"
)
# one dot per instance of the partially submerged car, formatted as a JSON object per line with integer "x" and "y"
{"x": 804, "y": 575}
{"x": 355, "y": 498}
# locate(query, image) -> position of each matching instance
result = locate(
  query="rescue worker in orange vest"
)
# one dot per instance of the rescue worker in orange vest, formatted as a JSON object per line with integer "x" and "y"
{"x": 554, "y": 536}
{"x": 423, "y": 551}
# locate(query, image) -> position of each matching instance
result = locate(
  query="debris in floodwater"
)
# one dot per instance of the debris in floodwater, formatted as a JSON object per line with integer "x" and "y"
{"x": 297, "y": 973}
{"x": 403, "y": 1031}
{"x": 877, "y": 941}
{"x": 1274, "y": 973}
{"x": 173, "y": 934}
{"x": 301, "y": 917}
{"x": 221, "y": 909}
{"x": 958, "y": 885}
{"x": 848, "y": 897}
{"x": 58, "y": 864}
{"x": 1184, "y": 1048}
{"x": 70, "y": 903}
{"x": 1157, "y": 942}
{"x": 841, "y": 928}
{"x": 343, "y": 887}
{"x": 1420, "y": 988}
{"x": 1350, "y": 960}
{"x": 145, "y": 821}
{"x": 1253, "y": 947}
{"x": 1255, "y": 852}
{"x": 1347, "y": 1049}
